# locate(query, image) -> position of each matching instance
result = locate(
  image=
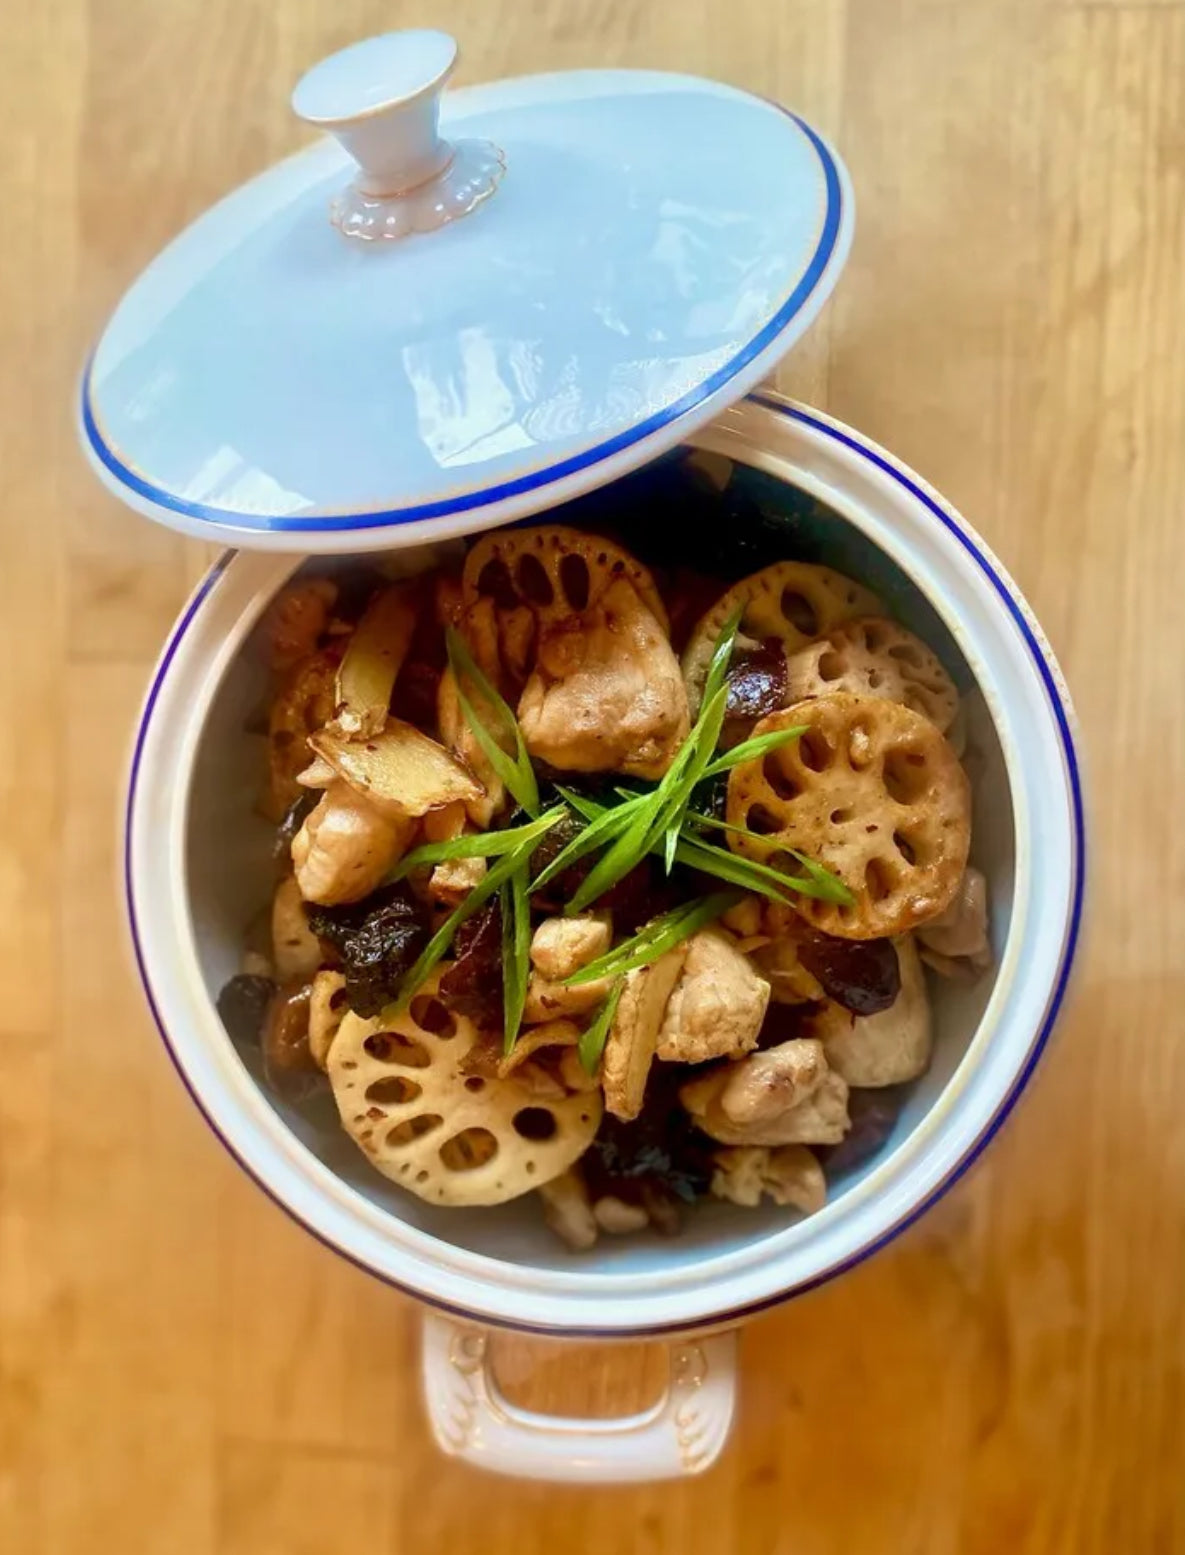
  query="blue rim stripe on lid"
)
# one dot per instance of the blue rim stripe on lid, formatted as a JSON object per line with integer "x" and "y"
{"x": 231, "y": 519}
{"x": 1060, "y": 711}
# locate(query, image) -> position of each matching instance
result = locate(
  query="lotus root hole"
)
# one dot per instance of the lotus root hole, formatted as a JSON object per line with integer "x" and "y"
{"x": 431, "y": 1015}
{"x": 905, "y": 845}
{"x": 839, "y": 817}
{"x": 393, "y": 1047}
{"x": 906, "y": 652}
{"x": 779, "y": 780}
{"x": 338, "y": 998}
{"x": 536, "y": 1123}
{"x": 575, "y": 581}
{"x": 830, "y": 666}
{"x": 495, "y": 580}
{"x": 475, "y": 1082}
{"x": 469, "y": 1150}
{"x": 905, "y": 776}
{"x": 761, "y": 820}
{"x": 874, "y": 679}
{"x": 410, "y": 1129}
{"x": 815, "y": 750}
{"x": 393, "y": 1090}
{"x": 880, "y": 882}
{"x": 534, "y": 582}
{"x": 422, "y": 1176}
{"x": 799, "y": 612}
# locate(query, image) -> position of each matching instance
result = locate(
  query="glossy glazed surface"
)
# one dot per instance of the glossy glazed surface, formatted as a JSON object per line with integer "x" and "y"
{"x": 654, "y": 245}
{"x": 185, "y": 1367}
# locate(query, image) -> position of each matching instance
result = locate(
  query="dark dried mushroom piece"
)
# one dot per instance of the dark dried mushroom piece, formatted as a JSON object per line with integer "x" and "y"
{"x": 473, "y": 986}
{"x": 289, "y": 1066}
{"x": 290, "y": 825}
{"x": 659, "y": 1151}
{"x": 756, "y": 684}
{"x": 873, "y": 1116}
{"x": 377, "y": 941}
{"x": 860, "y": 975}
{"x": 242, "y": 1004}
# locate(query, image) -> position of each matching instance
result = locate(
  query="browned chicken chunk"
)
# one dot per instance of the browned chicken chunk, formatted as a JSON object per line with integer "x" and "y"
{"x": 606, "y": 693}
{"x": 787, "y": 1095}
{"x": 717, "y": 1006}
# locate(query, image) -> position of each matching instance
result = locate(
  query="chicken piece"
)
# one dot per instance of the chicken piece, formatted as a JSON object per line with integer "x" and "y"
{"x": 883, "y": 1049}
{"x": 554, "y": 1001}
{"x": 791, "y": 1175}
{"x": 606, "y": 693}
{"x": 296, "y": 952}
{"x": 295, "y": 620}
{"x": 455, "y": 878}
{"x": 962, "y": 932}
{"x": 562, "y": 946}
{"x": 446, "y": 822}
{"x": 779, "y": 959}
{"x": 567, "y": 1210}
{"x": 631, "y": 1045}
{"x": 345, "y": 847}
{"x": 573, "y": 1073}
{"x": 617, "y": 1217}
{"x": 773, "y": 1083}
{"x": 717, "y": 1006}
{"x": 787, "y": 1095}
{"x": 327, "y": 1008}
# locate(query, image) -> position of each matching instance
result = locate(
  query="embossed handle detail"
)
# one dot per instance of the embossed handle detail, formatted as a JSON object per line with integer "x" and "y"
{"x": 681, "y": 1435}
{"x": 381, "y": 99}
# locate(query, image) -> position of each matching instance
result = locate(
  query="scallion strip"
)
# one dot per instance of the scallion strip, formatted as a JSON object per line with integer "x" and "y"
{"x": 516, "y": 774}
{"x": 655, "y": 939}
{"x": 751, "y": 750}
{"x": 487, "y": 844}
{"x": 606, "y": 827}
{"x": 657, "y": 811}
{"x": 443, "y": 938}
{"x": 593, "y": 1039}
{"x": 517, "y": 937}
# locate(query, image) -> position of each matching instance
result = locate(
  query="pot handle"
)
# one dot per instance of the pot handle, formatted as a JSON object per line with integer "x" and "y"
{"x": 680, "y": 1435}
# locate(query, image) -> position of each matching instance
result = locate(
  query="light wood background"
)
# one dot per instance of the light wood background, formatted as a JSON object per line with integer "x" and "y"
{"x": 181, "y": 1369}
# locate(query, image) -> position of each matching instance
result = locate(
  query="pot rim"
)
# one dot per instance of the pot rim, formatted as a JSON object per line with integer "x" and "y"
{"x": 703, "y": 1293}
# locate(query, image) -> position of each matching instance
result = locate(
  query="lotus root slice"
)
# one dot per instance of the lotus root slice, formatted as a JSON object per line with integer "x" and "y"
{"x": 553, "y": 570}
{"x": 873, "y": 656}
{"x": 871, "y": 790}
{"x": 795, "y": 602}
{"x": 450, "y": 1136}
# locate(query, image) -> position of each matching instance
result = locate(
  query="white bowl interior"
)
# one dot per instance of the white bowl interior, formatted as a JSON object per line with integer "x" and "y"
{"x": 231, "y": 874}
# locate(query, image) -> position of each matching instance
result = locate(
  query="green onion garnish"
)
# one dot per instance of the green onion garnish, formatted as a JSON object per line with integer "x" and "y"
{"x": 516, "y": 774}
{"x": 517, "y": 937}
{"x": 495, "y": 878}
{"x": 490, "y": 844}
{"x": 655, "y": 939}
{"x": 751, "y": 750}
{"x": 608, "y": 825}
{"x": 593, "y": 1039}
{"x": 735, "y": 868}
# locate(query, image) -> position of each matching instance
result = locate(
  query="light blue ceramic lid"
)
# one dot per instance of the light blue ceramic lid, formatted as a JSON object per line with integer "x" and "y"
{"x": 439, "y": 321}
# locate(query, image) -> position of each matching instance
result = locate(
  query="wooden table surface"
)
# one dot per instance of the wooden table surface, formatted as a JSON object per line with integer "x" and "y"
{"x": 182, "y": 1370}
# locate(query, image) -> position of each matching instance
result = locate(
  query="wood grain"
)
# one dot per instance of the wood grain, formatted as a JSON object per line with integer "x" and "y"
{"x": 184, "y": 1371}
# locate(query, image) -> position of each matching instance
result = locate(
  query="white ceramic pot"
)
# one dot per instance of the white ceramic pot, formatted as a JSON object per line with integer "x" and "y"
{"x": 196, "y": 865}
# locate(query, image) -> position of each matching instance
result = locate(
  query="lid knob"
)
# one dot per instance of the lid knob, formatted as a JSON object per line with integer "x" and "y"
{"x": 381, "y": 100}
